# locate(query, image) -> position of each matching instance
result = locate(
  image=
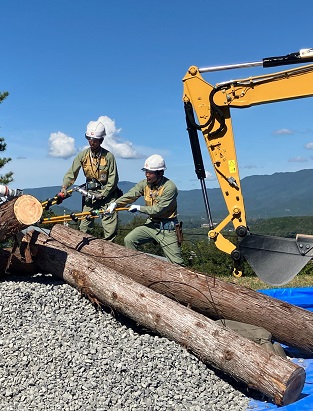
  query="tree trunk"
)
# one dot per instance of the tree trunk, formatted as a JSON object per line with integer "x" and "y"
{"x": 217, "y": 299}
{"x": 17, "y": 214}
{"x": 246, "y": 361}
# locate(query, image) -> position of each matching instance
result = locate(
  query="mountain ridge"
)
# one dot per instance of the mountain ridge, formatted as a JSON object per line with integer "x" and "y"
{"x": 266, "y": 196}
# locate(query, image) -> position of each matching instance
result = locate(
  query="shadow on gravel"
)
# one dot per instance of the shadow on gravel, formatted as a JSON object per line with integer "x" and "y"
{"x": 34, "y": 278}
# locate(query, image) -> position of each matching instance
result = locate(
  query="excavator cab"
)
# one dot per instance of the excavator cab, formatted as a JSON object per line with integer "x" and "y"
{"x": 275, "y": 260}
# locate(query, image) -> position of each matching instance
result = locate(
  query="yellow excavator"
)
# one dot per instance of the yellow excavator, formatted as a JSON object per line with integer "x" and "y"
{"x": 275, "y": 260}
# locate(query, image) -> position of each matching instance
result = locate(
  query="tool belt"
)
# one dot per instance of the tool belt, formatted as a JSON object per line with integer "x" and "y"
{"x": 94, "y": 185}
{"x": 171, "y": 225}
{"x": 165, "y": 225}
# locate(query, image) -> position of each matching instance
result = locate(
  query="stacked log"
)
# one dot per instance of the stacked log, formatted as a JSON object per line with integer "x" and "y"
{"x": 17, "y": 214}
{"x": 225, "y": 350}
{"x": 205, "y": 294}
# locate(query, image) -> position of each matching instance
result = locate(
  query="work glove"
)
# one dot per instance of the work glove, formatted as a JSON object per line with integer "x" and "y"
{"x": 134, "y": 208}
{"x": 62, "y": 193}
{"x": 111, "y": 208}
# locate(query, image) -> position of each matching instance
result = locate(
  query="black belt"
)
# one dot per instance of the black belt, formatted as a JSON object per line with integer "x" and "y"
{"x": 165, "y": 225}
{"x": 91, "y": 185}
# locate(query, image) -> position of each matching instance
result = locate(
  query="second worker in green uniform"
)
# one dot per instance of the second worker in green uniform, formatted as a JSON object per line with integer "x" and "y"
{"x": 100, "y": 169}
{"x": 160, "y": 196}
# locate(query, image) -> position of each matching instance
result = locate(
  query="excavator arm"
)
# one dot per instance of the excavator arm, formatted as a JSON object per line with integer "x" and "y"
{"x": 275, "y": 260}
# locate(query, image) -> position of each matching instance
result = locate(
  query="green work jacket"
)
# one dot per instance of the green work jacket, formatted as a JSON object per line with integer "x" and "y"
{"x": 109, "y": 169}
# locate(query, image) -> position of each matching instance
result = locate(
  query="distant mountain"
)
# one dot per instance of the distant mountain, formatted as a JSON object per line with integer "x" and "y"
{"x": 265, "y": 196}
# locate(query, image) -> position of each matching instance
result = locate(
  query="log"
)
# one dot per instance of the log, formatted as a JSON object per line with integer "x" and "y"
{"x": 17, "y": 214}
{"x": 246, "y": 361}
{"x": 210, "y": 296}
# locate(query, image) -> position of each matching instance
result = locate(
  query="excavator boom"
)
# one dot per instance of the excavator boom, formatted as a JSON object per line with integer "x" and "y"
{"x": 275, "y": 260}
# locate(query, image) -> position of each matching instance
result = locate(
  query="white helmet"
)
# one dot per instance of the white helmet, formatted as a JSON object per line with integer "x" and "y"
{"x": 154, "y": 163}
{"x": 95, "y": 129}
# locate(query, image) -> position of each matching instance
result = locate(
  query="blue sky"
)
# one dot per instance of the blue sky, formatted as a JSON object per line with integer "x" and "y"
{"x": 67, "y": 62}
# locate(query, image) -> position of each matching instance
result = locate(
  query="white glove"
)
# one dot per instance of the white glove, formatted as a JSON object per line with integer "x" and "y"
{"x": 134, "y": 208}
{"x": 111, "y": 208}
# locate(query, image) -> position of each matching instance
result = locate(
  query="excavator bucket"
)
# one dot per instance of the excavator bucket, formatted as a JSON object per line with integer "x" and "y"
{"x": 277, "y": 260}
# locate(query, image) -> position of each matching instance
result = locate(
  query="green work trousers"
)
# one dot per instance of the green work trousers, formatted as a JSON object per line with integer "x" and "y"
{"x": 166, "y": 238}
{"x": 109, "y": 222}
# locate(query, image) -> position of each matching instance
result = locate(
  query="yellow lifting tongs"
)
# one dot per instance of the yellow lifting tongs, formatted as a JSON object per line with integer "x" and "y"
{"x": 88, "y": 215}
{"x": 57, "y": 199}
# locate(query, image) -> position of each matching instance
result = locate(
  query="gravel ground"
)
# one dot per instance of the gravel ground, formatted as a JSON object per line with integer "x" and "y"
{"x": 59, "y": 353}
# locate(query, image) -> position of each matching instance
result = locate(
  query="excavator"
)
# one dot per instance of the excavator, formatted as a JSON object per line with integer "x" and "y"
{"x": 275, "y": 260}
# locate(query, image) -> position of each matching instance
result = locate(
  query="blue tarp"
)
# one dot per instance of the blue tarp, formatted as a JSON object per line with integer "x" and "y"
{"x": 302, "y": 297}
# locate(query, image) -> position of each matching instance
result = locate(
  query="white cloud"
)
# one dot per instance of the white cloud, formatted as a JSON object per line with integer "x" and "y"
{"x": 249, "y": 166}
{"x": 209, "y": 176}
{"x": 113, "y": 143}
{"x": 309, "y": 146}
{"x": 283, "y": 131}
{"x": 297, "y": 159}
{"x": 61, "y": 145}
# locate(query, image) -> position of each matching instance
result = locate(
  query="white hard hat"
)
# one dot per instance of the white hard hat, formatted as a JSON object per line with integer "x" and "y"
{"x": 154, "y": 163}
{"x": 95, "y": 129}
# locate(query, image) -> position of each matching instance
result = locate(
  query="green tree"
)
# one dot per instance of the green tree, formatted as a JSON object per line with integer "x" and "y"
{"x": 8, "y": 177}
{"x": 203, "y": 255}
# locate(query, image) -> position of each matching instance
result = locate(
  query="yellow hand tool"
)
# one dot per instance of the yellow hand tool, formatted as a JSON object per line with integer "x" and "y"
{"x": 78, "y": 216}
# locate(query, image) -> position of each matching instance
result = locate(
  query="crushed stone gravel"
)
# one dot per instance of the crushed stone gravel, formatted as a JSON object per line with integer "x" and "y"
{"x": 59, "y": 353}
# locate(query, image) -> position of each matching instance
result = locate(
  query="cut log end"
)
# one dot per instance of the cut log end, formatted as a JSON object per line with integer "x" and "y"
{"x": 27, "y": 210}
{"x": 294, "y": 386}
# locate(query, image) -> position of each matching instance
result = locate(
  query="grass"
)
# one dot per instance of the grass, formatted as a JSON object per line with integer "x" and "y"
{"x": 302, "y": 280}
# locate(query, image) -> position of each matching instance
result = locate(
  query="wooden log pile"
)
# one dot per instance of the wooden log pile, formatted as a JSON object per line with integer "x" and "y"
{"x": 205, "y": 294}
{"x": 139, "y": 287}
{"x": 17, "y": 214}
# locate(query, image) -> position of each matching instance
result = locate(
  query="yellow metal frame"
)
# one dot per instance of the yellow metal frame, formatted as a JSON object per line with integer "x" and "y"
{"x": 284, "y": 85}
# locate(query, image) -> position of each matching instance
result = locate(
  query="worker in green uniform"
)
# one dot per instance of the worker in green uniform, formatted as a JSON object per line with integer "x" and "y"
{"x": 160, "y": 195}
{"x": 100, "y": 169}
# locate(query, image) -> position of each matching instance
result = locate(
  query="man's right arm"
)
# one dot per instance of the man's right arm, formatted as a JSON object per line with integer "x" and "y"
{"x": 132, "y": 195}
{"x": 128, "y": 198}
{"x": 72, "y": 174}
